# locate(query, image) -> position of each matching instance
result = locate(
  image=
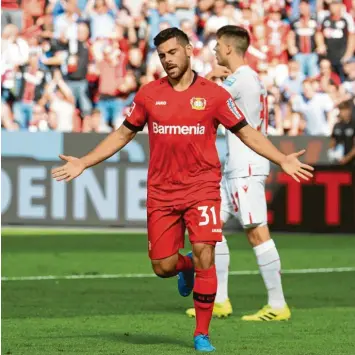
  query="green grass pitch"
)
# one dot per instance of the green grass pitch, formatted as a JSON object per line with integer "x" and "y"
{"x": 146, "y": 315}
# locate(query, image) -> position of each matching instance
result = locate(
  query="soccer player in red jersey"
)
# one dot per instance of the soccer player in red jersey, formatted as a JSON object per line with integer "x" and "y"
{"x": 183, "y": 111}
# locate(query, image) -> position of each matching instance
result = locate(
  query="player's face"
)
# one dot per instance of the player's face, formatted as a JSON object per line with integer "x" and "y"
{"x": 174, "y": 57}
{"x": 221, "y": 50}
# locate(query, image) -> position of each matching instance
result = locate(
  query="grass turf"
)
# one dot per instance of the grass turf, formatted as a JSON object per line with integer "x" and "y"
{"x": 146, "y": 315}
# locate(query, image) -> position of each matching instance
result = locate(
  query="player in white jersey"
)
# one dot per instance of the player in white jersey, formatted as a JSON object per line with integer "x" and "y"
{"x": 243, "y": 184}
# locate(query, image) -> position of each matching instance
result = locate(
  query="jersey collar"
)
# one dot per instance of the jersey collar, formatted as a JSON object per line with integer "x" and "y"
{"x": 193, "y": 81}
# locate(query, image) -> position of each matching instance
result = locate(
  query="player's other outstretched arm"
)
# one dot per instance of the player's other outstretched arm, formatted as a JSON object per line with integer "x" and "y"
{"x": 113, "y": 143}
{"x": 264, "y": 147}
{"x": 231, "y": 117}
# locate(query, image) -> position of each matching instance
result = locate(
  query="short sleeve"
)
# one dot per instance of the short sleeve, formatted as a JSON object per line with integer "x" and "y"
{"x": 137, "y": 115}
{"x": 350, "y": 22}
{"x": 334, "y": 129}
{"x": 327, "y": 102}
{"x": 228, "y": 113}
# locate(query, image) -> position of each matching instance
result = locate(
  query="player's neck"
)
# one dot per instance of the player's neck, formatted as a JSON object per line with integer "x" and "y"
{"x": 184, "y": 82}
{"x": 235, "y": 63}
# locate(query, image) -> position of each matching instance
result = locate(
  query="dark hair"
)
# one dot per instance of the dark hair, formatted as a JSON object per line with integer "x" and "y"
{"x": 238, "y": 34}
{"x": 170, "y": 33}
{"x": 347, "y": 105}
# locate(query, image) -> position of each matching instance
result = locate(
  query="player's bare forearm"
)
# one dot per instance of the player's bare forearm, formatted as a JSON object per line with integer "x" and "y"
{"x": 112, "y": 144}
{"x": 260, "y": 144}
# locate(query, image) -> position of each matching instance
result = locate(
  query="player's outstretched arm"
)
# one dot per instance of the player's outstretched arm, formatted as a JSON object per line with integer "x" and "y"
{"x": 263, "y": 146}
{"x": 113, "y": 143}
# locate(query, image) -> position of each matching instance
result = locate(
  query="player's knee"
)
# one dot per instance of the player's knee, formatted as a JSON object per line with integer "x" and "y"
{"x": 257, "y": 234}
{"x": 203, "y": 255}
{"x": 164, "y": 269}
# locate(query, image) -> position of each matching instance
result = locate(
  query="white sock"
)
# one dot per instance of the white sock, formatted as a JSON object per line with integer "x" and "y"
{"x": 222, "y": 269}
{"x": 269, "y": 263}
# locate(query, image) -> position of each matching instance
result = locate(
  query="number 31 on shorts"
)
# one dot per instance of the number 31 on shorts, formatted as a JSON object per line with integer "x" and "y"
{"x": 206, "y": 212}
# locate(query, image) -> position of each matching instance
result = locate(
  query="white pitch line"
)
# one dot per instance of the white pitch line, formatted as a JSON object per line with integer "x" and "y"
{"x": 139, "y": 276}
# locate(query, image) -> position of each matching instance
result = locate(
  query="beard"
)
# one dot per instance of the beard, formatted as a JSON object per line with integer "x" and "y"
{"x": 177, "y": 71}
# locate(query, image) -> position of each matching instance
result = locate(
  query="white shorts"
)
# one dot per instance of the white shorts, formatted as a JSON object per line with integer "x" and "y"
{"x": 244, "y": 199}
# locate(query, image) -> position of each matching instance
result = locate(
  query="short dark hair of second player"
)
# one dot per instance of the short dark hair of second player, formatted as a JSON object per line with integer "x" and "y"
{"x": 170, "y": 33}
{"x": 237, "y": 33}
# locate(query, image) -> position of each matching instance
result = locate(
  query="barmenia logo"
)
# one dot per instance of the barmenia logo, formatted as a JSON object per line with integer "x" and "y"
{"x": 160, "y": 129}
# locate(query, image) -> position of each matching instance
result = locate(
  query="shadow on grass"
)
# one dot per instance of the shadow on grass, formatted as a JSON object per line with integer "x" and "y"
{"x": 130, "y": 338}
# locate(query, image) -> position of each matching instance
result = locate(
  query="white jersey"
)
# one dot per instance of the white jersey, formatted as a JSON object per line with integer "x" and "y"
{"x": 250, "y": 96}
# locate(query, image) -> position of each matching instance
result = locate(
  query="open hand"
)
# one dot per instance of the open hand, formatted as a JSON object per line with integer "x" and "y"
{"x": 69, "y": 171}
{"x": 293, "y": 167}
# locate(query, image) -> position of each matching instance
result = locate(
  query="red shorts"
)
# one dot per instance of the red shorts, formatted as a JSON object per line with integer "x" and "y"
{"x": 166, "y": 227}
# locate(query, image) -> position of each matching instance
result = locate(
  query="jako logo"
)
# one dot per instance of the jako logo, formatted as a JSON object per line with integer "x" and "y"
{"x": 160, "y": 103}
{"x": 160, "y": 129}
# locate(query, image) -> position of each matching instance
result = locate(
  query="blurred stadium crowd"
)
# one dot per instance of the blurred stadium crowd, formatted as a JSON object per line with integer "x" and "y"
{"x": 75, "y": 65}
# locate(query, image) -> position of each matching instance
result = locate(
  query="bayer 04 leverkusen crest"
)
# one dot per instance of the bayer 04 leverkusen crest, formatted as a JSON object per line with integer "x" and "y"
{"x": 198, "y": 103}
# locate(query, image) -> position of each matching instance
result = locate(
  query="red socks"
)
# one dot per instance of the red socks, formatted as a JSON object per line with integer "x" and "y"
{"x": 184, "y": 263}
{"x": 204, "y": 292}
{"x": 204, "y": 295}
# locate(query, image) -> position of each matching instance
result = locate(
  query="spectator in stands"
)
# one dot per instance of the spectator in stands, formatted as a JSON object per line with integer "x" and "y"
{"x": 116, "y": 85}
{"x": 296, "y": 8}
{"x": 32, "y": 11}
{"x": 277, "y": 32}
{"x": 136, "y": 64}
{"x": 327, "y": 75}
{"x": 11, "y": 13}
{"x": 61, "y": 103}
{"x": 293, "y": 83}
{"x": 185, "y": 9}
{"x": 14, "y": 49}
{"x": 188, "y": 27}
{"x": 349, "y": 71}
{"x": 315, "y": 108}
{"x": 58, "y": 31}
{"x": 45, "y": 26}
{"x": 65, "y": 25}
{"x": 158, "y": 14}
{"x": 40, "y": 121}
{"x": 101, "y": 14}
{"x": 77, "y": 68}
{"x": 293, "y": 122}
{"x": 94, "y": 123}
{"x": 217, "y": 20}
{"x": 342, "y": 144}
{"x": 7, "y": 119}
{"x": 30, "y": 83}
{"x": 258, "y": 54}
{"x": 304, "y": 40}
{"x": 338, "y": 32}
{"x": 275, "y": 127}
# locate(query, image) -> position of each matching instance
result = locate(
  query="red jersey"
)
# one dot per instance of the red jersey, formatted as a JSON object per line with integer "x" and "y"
{"x": 184, "y": 166}
{"x": 276, "y": 34}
